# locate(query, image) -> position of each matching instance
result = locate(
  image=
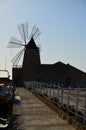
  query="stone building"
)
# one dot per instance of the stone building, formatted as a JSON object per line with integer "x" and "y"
{"x": 32, "y": 70}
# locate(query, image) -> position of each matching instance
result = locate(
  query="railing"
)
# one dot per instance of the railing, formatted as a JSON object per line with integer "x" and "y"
{"x": 70, "y": 100}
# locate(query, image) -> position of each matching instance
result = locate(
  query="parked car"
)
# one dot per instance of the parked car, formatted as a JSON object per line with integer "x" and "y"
{"x": 6, "y": 103}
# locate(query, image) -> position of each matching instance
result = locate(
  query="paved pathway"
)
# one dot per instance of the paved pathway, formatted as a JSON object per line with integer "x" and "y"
{"x": 33, "y": 114}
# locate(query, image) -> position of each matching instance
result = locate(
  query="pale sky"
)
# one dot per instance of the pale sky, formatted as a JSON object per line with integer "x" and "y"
{"x": 63, "y": 27}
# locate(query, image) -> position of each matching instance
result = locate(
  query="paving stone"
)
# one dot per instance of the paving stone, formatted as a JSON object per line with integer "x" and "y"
{"x": 32, "y": 114}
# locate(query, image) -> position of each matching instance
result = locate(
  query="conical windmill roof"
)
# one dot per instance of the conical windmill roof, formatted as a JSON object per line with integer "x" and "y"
{"x": 31, "y": 44}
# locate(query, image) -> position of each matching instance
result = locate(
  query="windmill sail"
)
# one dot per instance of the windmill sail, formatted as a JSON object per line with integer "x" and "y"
{"x": 17, "y": 57}
{"x": 23, "y": 30}
{"x": 34, "y": 33}
{"x": 15, "y": 43}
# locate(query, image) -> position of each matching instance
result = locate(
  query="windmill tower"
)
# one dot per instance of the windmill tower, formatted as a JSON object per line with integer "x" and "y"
{"x": 30, "y": 51}
{"x": 31, "y": 54}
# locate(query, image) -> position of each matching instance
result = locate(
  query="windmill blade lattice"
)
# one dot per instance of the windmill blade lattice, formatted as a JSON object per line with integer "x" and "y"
{"x": 34, "y": 33}
{"x": 23, "y": 30}
{"x": 37, "y": 33}
{"x": 15, "y": 43}
{"x": 17, "y": 58}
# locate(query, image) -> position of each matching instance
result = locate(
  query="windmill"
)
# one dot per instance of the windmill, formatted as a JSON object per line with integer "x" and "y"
{"x": 15, "y": 43}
